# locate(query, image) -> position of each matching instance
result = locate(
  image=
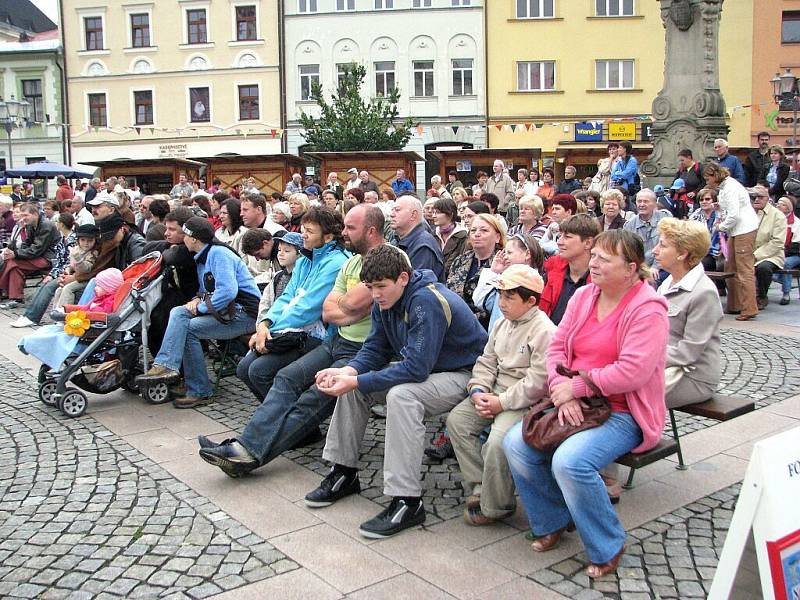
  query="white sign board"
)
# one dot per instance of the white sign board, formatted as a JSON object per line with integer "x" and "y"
{"x": 172, "y": 151}
{"x": 769, "y": 505}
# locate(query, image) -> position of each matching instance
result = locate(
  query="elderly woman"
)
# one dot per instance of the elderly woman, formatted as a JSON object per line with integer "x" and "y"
{"x": 451, "y": 234}
{"x": 739, "y": 223}
{"x": 613, "y": 203}
{"x": 693, "y": 351}
{"x": 615, "y": 329}
{"x": 298, "y": 206}
{"x": 530, "y": 223}
{"x": 487, "y": 237}
{"x": 232, "y": 228}
{"x": 791, "y": 248}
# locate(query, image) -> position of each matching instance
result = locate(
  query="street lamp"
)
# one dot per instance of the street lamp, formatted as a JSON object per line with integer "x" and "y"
{"x": 785, "y": 91}
{"x": 13, "y": 113}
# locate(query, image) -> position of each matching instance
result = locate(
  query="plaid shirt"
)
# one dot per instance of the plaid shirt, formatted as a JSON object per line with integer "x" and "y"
{"x": 61, "y": 259}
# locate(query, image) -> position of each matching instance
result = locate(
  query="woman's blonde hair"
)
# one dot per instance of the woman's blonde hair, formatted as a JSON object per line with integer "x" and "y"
{"x": 628, "y": 245}
{"x": 718, "y": 172}
{"x": 299, "y": 197}
{"x": 691, "y": 237}
{"x": 708, "y": 190}
{"x": 492, "y": 221}
{"x": 461, "y": 191}
{"x": 613, "y": 194}
{"x": 534, "y": 203}
{"x": 779, "y": 149}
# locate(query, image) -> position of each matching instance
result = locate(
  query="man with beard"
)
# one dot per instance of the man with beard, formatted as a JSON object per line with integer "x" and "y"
{"x": 294, "y": 408}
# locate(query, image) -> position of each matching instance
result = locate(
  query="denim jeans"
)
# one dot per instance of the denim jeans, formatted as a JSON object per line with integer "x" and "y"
{"x": 258, "y": 371}
{"x": 181, "y": 344}
{"x": 558, "y": 486}
{"x": 36, "y": 308}
{"x": 792, "y": 262}
{"x": 294, "y": 407}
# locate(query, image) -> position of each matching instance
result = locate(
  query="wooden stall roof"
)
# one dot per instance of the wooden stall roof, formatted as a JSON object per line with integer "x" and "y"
{"x": 365, "y": 155}
{"x": 145, "y": 162}
{"x": 290, "y": 159}
{"x": 442, "y": 153}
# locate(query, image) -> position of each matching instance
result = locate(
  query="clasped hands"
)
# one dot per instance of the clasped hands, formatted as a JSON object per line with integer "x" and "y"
{"x": 337, "y": 381}
{"x": 570, "y": 408}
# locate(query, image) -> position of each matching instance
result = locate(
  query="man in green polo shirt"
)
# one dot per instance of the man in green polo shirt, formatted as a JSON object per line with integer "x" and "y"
{"x": 294, "y": 408}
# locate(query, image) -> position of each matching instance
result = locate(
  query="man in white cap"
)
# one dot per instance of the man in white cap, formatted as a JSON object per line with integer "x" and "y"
{"x": 353, "y": 181}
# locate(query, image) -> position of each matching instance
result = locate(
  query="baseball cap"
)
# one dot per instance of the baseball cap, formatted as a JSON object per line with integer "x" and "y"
{"x": 292, "y": 238}
{"x": 103, "y": 198}
{"x": 520, "y": 276}
{"x": 678, "y": 184}
{"x": 353, "y": 170}
{"x": 659, "y": 189}
{"x": 757, "y": 190}
{"x": 311, "y": 190}
{"x": 200, "y": 229}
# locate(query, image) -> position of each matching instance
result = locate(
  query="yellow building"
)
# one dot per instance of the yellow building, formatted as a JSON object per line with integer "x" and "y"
{"x": 172, "y": 80}
{"x": 568, "y": 76}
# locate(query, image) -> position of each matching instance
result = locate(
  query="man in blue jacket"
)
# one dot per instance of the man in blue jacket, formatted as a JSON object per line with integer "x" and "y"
{"x": 225, "y": 308}
{"x": 438, "y": 339}
{"x": 413, "y": 238}
{"x": 402, "y": 183}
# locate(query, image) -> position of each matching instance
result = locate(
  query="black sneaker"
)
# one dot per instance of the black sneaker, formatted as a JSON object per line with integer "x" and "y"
{"x": 441, "y": 448}
{"x": 334, "y": 487}
{"x": 397, "y": 516}
{"x": 229, "y": 456}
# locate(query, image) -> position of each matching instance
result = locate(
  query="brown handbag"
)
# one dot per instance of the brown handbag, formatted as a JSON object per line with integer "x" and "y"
{"x": 542, "y": 431}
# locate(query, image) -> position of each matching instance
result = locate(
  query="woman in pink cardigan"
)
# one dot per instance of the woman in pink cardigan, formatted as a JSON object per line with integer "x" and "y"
{"x": 616, "y": 330}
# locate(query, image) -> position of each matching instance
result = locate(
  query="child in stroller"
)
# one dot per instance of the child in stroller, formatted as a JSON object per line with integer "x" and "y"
{"x": 97, "y": 347}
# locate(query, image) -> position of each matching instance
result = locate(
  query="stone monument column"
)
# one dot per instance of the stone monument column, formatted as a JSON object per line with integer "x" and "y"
{"x": 689, "y": 111}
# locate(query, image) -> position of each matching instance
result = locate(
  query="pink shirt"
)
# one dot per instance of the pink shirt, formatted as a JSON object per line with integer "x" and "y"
{"x": 595, "y": 346}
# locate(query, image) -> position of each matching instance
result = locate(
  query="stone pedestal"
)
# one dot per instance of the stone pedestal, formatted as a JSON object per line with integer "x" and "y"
{"x": 689, "y": 111}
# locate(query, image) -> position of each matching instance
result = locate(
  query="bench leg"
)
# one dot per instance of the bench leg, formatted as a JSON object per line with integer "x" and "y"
{"x": 628, "y": 485}
{"x": 681, "y": 465}
{"x": 222, "y": 362}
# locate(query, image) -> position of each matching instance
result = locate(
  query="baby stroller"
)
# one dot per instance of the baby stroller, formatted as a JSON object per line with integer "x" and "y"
{"x": 107, "y": 355}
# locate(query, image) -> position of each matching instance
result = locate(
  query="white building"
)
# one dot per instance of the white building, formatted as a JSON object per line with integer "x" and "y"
{"x": 432, "y": 50}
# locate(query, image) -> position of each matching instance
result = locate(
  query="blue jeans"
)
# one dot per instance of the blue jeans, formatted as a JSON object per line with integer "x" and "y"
{"x": 294, "y": 407}
{"x": 181, "y": 344}
{"x": 792, "y": 262}
{"x": 258, "y": 371}
{"x": 558, "y": 486}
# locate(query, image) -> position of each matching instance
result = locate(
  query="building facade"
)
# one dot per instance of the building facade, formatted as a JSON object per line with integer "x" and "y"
{"x": 568, "y": 77}
{"x": 431, "y": 50}
{"x": 160, "y": 80}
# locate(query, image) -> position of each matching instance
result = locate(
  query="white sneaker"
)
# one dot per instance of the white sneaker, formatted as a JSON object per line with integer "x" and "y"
{"x": 23, "y": 321}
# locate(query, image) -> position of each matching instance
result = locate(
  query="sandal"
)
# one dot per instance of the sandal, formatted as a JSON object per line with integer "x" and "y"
{"x": 594, "y": 571}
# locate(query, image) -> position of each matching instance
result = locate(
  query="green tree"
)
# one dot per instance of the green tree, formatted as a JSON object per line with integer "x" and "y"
{"x": 348, "y": 123}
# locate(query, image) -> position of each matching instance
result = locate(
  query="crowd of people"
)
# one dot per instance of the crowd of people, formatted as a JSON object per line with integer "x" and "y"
{"x": 473, "y": 302}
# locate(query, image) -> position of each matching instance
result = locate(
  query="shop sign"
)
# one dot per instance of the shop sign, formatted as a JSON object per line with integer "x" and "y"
{"x": 172, "y": 150}
{"x": 621, "y": 131}
{"x": 587, "y": 131}
{"x": 647, "y": 132}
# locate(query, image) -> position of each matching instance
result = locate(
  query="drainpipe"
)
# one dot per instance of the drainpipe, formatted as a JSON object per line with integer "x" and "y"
{"x": 65, "y": 136}
{"x": 282, "y": 73}
{"x": 486, "y": 70}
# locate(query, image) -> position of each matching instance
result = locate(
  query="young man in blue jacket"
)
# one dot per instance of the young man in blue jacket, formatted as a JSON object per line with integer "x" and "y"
{"x": 438, "y": 339}
{"x": 225, "y": 308}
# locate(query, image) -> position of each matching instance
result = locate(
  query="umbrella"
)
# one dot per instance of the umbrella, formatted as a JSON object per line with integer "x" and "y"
{"x": 46, "y": 170}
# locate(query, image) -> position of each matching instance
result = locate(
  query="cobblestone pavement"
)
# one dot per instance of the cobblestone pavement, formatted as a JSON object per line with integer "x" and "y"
{"x": 764, "y": 367}
{"x": 673, "y": 556}
{"x": 83, "y": 515}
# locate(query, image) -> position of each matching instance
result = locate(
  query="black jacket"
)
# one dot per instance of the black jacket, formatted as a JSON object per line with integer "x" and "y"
{"x": 40, "y": 241}
{"x": 776, "y": 191}
{"x": 756, "y": 166}
{"x": 130, "y": 248}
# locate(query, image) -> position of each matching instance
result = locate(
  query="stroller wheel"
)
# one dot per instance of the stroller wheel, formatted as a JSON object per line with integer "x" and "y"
{"x": 43, "y": 371}
{"x": 46, "y": 390}
{"x": 73, "y": 403}
{"x": 156, "y": 394}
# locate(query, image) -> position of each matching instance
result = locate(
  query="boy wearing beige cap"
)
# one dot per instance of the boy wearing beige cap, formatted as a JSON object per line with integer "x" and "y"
{"x": 508, "y": 378}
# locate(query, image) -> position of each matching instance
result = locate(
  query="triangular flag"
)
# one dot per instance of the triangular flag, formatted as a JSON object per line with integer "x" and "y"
{"x": 272, "y": 132}
{"x": 513, "y": 127}
{"x": 455, "y": 129}
{"x": 138, "y": 130}
{"x": 528, "y": 126}
{"x": 152, "y": 129}
{"x": 757, "y": 109}
{"x": 420, "y": 130}
{"x": 539, "y": 125}
{"x": 499, "y": 127}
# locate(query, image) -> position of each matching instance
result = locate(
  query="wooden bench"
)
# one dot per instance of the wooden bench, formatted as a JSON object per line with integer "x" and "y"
{"x": 792, "y": 273}
{"x": 718, "y": 407}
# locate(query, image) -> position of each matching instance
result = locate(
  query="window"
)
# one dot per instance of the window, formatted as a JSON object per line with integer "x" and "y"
{"x": 345, "y": 4}
{"x": 98, "y": 115}
{"x": 140, "y": 31}
{"x": 199, "y": 105}
{"x": 423, "y": 78}
{"x": 309, "y": 75}
{"x": 93, "y": 30}
{"x": 196, "y": 26}
{"x": 307, "y": 6}
{"x": 790, "y": 27}
{"x": 340, "y": 71}
{"x": 614, "y": 8}
{"x": 614, "y": 75}
{"x": 384, "y": 78}
{"x": 143, "y": 108}
{"x": 462, "y": 77}
{"x": 461, "y": 2}
{"x": 246, "y": 28}
{"x": 384, "y": 3}
{"x": 537, "y": 76}
{"x": 248, "y": 103}
{"x": 32, "y": 92}
{"x": 535, "y": 9}
{"x": 421, "y": 3}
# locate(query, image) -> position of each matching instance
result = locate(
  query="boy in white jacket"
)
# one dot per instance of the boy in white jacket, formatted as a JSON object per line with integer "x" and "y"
{"x": 507, "y": 378}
